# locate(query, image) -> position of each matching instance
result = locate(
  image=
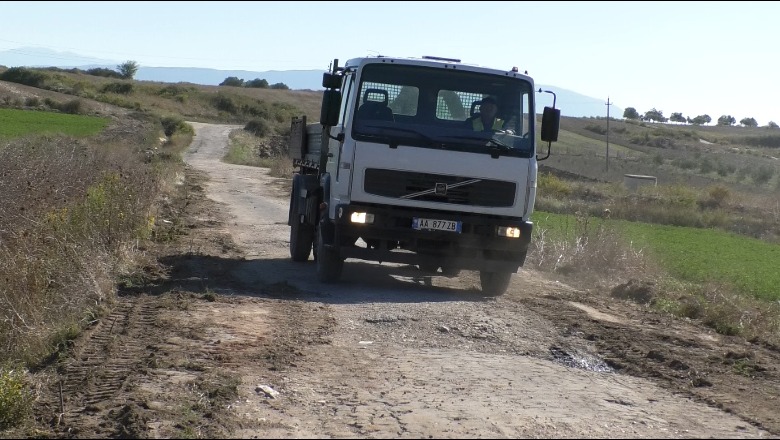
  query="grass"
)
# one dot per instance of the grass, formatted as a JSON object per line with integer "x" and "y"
{"x": 704, "y": 255}
{"x": 728, "y": 282}
{"x": 16, "y": 123}
{"x": 690, "y": 254}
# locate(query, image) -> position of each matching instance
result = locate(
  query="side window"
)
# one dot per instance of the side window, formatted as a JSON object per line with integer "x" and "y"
{"x": 346, "y": 97}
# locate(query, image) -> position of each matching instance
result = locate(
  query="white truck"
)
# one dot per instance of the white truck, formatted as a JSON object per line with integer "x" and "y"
{"x": 396, "y": 171}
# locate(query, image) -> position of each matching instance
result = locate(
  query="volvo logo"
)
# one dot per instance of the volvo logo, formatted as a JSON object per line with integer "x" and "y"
{"x": 440, "y": 189}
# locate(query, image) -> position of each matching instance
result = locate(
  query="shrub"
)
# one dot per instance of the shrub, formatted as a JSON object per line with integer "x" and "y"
{"x": 32, "y": 101}
{"x": 762, "y": 174}
{"x": 21, "y": 75}
{"x": 118, "y": 87}
{"x": 551, "y": 185}
{"x": 259, "y": 127}
{"x": 174, "y": 124}
{"x": 225, "y": 104}
{"x": 15, "y": 398}
{"x": 717, "y": 196}
{"x": 598, "y": 129}
{"x": 73, "y": 107}
{"x": 102, "y": 71}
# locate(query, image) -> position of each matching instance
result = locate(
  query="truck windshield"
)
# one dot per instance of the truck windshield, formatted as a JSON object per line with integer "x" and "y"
{"x": 445, "y": 109}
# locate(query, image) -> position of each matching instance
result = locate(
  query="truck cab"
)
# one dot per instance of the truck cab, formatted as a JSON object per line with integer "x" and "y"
{"x": 403, "y": 168}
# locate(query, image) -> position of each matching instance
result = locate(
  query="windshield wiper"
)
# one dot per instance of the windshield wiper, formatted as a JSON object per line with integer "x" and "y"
{"x": 431, "y": 141}
{"x": 496, "y": 146}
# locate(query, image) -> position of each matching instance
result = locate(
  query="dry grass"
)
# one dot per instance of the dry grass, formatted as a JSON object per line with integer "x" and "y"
{"x": 70, "y": 213}
{"x": 588, "y": 251}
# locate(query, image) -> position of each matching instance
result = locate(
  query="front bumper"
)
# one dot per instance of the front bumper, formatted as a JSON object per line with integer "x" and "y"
{"x": 391, "y": 238}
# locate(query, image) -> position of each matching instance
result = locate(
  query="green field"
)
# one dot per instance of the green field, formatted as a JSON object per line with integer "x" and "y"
{"x": 692, "y": 254}
{"x": 16, "y": 123}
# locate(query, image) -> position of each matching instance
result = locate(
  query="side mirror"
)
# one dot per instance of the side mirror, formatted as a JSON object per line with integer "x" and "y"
{"x": 331, "y": 103}
{"x": 331, "y": 80}
{"x": 551, "y": 121}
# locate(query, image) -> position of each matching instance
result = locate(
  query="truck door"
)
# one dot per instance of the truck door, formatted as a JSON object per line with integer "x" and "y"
{"x": 339, "y": 161}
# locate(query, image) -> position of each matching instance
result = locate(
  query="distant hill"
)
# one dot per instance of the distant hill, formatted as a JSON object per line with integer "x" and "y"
{"x": 571, "y": 103}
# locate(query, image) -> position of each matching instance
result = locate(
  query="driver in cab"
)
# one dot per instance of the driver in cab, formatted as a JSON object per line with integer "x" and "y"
{"x": 486, "y": 119}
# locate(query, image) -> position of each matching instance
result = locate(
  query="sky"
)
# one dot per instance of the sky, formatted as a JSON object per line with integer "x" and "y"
{"x": 695, "y": 58}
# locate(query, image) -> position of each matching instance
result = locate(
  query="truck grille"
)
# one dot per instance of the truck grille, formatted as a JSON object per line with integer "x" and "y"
{"x": 451, "y": 189}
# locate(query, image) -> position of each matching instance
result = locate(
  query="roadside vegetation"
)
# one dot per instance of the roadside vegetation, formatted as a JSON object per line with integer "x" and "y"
{"x": 83, "y": 192}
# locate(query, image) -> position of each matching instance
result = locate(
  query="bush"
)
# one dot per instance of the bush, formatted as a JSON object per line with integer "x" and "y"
{"x": 102, "y": 71}
{"x": 717, "y": 196}
{"x": 174, "y": 124}
{"x": 15, "y": 398}
{"x": 762, "y": 174}
{"x": 21, "y": 75}
{"x": 259, "y": 127}
{"x": 598, "y": 129}
{"x": 225, "y": 104}
{"x": 551, "y": 185}
{"x": 117, "y": 87}
{"x": 73, "y": 107}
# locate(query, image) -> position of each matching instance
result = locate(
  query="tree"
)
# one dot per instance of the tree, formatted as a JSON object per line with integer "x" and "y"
{"x": 772, "y": 124}
{"x": 280, "y": 86}
{"x": 128, "y": 69}
{"x": 701, "y": 120}
{"x": 749, "y": 122}
{"x": 655, "y": 115}
{"x": 727, "y": 120}
{"x": 232, "y": 81}
{"x": 631, "y": 113}
{"x": 677, "y": 117}
{"x": 257, "y": 83}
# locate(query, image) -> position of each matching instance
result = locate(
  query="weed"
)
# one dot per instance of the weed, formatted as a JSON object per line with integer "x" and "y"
{"x": 16, "y": 397}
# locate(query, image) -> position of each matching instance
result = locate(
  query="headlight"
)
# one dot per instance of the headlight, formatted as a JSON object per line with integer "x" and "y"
{"x": 362, "y": 217}
{"x": 507, "y": 231}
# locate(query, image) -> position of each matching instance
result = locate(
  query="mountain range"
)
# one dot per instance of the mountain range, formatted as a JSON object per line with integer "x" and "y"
{"x": 570, "y": 102}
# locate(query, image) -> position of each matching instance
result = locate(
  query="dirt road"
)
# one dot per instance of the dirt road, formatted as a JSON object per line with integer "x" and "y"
{"x": 235, "y": 340}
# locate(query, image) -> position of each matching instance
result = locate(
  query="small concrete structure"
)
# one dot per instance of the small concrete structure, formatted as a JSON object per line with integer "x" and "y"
{"x": 634, "y": 181}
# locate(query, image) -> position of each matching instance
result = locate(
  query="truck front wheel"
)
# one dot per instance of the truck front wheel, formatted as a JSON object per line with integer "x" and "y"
{"x": 301, "y": 234}
{"x": 329, "y": 263}
{"x": 494, "y": 283}
{"x": 301, "y": 240}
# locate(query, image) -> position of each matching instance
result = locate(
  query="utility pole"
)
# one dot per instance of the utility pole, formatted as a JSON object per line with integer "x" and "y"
{"x": 608, "y": 104}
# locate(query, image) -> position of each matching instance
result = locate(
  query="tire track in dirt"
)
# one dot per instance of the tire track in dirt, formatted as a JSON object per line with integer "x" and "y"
{"x": 100, "y": 366}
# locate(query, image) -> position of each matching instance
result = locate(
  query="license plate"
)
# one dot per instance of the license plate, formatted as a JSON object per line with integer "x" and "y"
{"x": 436, "y": 225}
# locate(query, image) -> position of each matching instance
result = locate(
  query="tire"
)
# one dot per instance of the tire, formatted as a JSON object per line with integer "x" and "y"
{"x": 301, "y": 234}
{"x": 329, "y": 263}
{"x": 301, "y": 240}
{"x": 494, "y": 283}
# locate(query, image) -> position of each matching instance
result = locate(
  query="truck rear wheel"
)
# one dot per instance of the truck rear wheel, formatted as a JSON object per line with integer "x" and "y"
{"x": 329, "y": 263}
{"x": 494, "y": 283}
